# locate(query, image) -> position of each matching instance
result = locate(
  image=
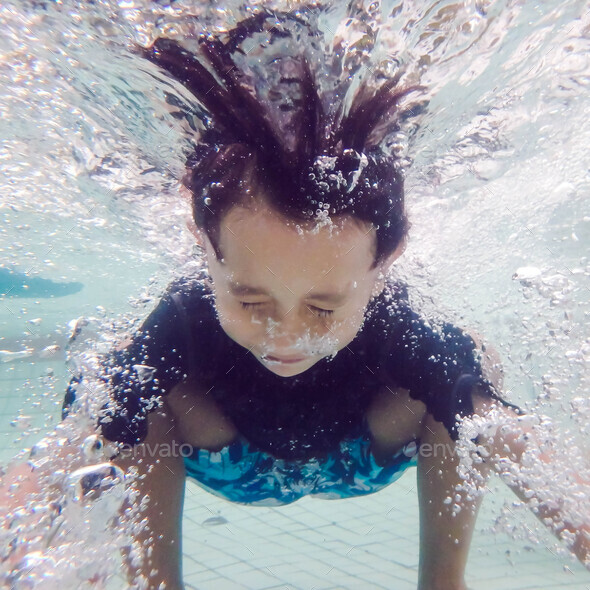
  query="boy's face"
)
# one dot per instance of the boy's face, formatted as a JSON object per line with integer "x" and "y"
{"x": 289, "y": 296}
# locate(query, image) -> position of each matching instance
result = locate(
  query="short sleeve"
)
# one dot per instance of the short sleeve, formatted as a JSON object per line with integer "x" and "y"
{"x": 438, "y": 363}
{"x": 157, "y": 359}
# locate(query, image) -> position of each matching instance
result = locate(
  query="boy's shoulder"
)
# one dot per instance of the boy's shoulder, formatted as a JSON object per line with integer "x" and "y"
{"x": 401, "y": 310}
{"x": 390, "y": 309}
{"x": 190, "y": 293}
{"x": 194, "y": 284}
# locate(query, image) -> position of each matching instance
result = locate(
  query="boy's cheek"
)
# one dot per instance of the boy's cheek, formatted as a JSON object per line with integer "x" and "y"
{"x": 229, "y": 318}
{"x": 353, "y": 323}
{"x": 240, "y": 325}
{"x": 237, "y": 333}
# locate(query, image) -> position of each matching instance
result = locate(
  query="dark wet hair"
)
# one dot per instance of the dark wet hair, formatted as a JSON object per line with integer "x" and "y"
{"x": 285, "y": 148}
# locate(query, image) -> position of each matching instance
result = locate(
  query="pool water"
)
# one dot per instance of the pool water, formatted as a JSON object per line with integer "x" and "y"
{"x": 497, "y": 179}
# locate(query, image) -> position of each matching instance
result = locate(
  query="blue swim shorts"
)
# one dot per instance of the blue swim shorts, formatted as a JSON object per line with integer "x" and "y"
{"x": 245, "y": 475}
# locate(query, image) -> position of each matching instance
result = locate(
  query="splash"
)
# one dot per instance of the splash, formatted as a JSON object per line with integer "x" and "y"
{"x": 52, "y": 538}
{"x": 530, "y": 454}
{"x": 65, "y": 502}
{"x": 307, "y": 344}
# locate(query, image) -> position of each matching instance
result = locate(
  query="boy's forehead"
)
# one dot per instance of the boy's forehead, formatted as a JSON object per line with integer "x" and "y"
{"x": 260, "y": 217}
{"x": 250, "y": 238}
{"x": 257, "y": 244}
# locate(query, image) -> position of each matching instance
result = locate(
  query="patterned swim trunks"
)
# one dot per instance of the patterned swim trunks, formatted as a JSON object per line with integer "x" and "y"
{"x": 245, "y": 475}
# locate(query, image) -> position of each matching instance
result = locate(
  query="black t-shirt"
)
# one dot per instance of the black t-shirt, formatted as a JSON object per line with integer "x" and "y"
{"x": 290, "y": 417}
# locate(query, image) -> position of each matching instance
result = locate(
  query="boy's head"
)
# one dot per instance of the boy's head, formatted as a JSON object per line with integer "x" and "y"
{"x": 365, "y": 186}
{"x": 301, "y": 212}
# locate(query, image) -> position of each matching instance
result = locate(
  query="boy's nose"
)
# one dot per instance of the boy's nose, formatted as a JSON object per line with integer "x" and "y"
{"x": 286, "y": 326}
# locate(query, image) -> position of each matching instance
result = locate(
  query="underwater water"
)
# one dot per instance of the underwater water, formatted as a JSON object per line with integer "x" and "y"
{"x": 495, "y": 146}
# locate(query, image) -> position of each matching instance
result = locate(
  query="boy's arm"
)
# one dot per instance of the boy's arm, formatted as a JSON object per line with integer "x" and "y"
{"x": 161, "y": 478}
{"x": 445, "y": 532}
{"x": 557, "y": 495}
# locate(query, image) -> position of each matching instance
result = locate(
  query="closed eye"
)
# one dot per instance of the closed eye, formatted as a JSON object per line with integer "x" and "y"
{"x": 319, "y": 311}
{"x": 247, "y": 305}
{"x": 315, "y": 310}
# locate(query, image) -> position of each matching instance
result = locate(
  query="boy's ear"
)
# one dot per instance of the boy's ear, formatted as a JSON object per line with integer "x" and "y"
{"x": 390, "y": 260}
{"x": 192, "y": 227}
{"x": 385, "y": 267}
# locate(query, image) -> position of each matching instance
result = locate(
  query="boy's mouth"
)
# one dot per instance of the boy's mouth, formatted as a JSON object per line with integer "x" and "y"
{"x": 283, "y": 360}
